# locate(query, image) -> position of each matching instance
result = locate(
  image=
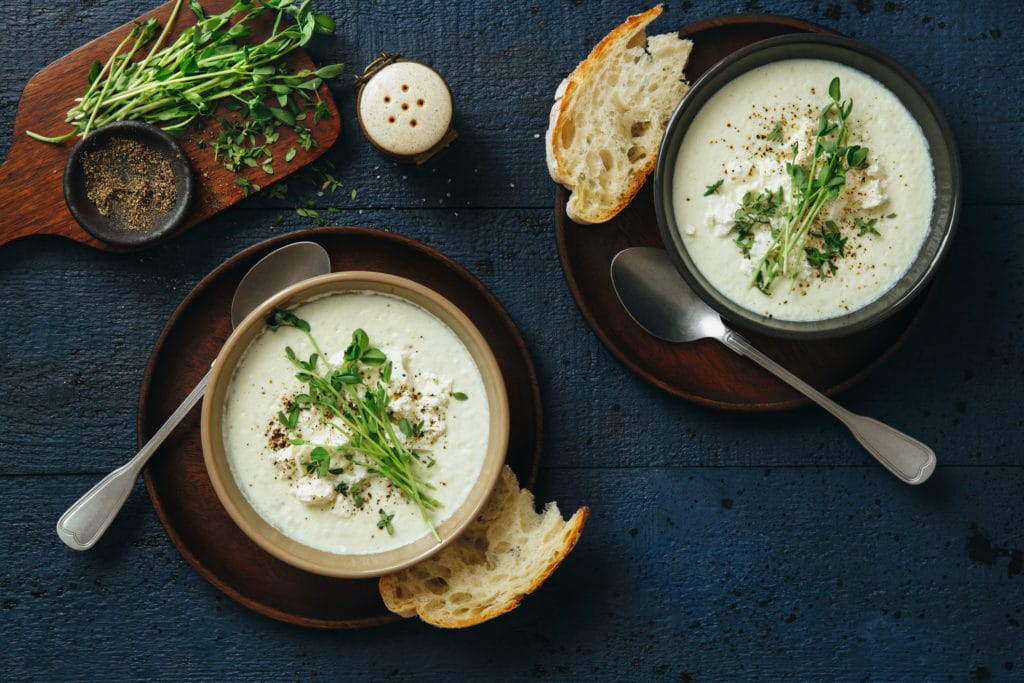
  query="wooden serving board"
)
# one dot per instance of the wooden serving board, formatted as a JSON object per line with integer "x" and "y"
{"x": 705, "y": 371}
{"x": 176, "y": 478}
{"x": 31, "y": 179}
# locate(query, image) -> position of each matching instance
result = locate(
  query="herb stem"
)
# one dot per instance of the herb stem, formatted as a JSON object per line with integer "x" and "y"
{"x": 163, "y": 35}
{"x": 810, "y": 190}
{"x": 362, "y": 409}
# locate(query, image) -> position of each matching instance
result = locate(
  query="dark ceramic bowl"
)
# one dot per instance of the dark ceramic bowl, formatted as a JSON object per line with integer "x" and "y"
{"x": 920, "y": 104}
{"x": 107, "y": 228}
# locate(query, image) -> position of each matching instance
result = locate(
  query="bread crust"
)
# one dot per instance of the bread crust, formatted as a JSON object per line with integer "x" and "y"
{"x": 566, "y": 91}
{"x": 404, "y": 595}
{"x": 560, "y": 117}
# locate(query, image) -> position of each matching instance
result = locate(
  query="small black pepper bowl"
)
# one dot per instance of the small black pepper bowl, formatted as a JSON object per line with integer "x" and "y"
{"x": 110, "y": 229}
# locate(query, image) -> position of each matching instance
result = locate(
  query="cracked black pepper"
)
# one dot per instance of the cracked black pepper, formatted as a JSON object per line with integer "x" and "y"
{"x": 130, "y": 183}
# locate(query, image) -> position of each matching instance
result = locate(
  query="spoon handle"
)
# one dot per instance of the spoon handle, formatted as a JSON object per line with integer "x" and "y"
{"x": 82, "y": 525}
{"x": 907, "y": 458}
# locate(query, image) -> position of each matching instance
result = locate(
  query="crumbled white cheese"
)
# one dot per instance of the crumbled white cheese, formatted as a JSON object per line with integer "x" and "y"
{"x": 313, "y": 490}
{"x": 862, "y": 193}
{"x": 419, "y": 397}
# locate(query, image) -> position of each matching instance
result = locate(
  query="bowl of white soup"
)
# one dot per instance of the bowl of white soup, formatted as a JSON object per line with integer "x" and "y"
{"x": 807, "y": 187}
{"x": 354, "y": 424}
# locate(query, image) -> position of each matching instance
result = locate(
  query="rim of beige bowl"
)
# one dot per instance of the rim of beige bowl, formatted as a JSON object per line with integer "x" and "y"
{"x": 287, "y": 549}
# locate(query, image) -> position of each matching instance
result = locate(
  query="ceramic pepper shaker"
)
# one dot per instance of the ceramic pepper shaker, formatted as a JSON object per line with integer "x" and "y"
{"x": 405, "y": 109}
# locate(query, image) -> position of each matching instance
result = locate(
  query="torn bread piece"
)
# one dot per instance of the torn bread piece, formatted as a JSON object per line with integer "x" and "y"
{"x": 610, "y": 114}
{"x": 507, "y": 552}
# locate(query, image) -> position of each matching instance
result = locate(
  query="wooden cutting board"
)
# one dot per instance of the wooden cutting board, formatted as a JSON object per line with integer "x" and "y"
{"x": 31, "y": 179}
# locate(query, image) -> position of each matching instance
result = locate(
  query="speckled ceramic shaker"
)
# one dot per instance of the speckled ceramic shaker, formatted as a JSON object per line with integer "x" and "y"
{"x": 405, "y": 109}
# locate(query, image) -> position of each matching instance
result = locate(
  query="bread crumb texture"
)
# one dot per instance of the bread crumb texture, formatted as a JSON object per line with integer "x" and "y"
{"x": 610, "y": 114}
{"x": 508, "y": 551}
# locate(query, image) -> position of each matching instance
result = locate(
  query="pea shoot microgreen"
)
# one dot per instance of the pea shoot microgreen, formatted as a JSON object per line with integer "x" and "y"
{"x": 212, "y": 62}
{"x": 810, "y": 190}
{"x": 354, "y": 400}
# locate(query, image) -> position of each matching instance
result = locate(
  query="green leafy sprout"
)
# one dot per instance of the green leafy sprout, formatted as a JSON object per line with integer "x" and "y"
{"x": 345, "y": 401}
{"x": 173, "y": 84}
{"x": 811, "y": 189}
{"x": 713, "y": 187}
{"x": 385, "y": 522}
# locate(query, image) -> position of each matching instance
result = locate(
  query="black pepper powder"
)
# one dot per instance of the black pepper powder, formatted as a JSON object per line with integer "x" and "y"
{"x": 129, "y": 183}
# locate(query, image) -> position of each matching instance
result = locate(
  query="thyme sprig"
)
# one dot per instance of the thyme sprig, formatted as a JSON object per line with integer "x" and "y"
{"x": 811, "y": 189}
{"x": 345, "y": 401}
{"x": 833, "y": 246}
{"x": 713, "y": 187}
{"x": 756, "y": 210}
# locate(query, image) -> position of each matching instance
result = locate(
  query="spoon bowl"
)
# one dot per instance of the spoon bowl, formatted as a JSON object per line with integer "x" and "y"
{"x": 84, "y": 523}
{"x": 658, "y": 300}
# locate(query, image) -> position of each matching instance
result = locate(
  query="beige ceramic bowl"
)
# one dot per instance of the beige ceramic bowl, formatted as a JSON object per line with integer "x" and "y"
{"x": 303, "y": 556}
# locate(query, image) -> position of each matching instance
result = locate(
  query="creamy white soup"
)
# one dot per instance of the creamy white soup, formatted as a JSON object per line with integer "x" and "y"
{"x": 329, "y": 499}
{"x": 735, "y": 154}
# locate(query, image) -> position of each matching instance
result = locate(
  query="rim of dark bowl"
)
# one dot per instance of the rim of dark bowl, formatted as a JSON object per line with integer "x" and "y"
{"x": 108, "y": 229}
{"x": 915, "y": 98}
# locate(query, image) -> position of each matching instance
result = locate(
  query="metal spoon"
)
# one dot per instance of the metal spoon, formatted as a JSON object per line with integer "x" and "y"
{"x": 660, "y": 301}
{"x": 82, "y": 525}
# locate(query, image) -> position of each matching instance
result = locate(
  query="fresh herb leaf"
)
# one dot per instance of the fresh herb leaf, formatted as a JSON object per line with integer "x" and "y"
{"x": 832, "y": 247}
{"x": 713, "y": 187}
{"x": 867, "y": 227}
{"x": 776, "y": 134}
{"x": 319, "y": 461}
{"x": 385, "y": 522}
{"x": 290, "y": 419}
{"x": 459, "y": 396}
{"x": 356, "y": 491}
{"x": 360, "y": 410}
{"x": 373, "y": 357}
{"x": 248, "y": 187}
{"x": 279, "y": 319}
{"x": 811, "y": 189}
{"x": 756, "y": 210}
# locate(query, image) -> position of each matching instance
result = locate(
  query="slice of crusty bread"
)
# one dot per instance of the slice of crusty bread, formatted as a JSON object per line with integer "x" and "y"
{"x": 506, "y": 552}
{"x": 610, "y": 114}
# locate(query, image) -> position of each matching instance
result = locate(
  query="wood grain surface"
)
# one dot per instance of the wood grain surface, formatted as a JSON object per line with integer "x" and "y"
{"x": 721, "y": 546}
{"x": 178, "y": 481}
{"x": 31, "y": 178}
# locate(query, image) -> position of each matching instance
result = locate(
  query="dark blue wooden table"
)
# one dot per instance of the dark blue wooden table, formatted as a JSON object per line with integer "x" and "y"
{"x": 720, "y": 546}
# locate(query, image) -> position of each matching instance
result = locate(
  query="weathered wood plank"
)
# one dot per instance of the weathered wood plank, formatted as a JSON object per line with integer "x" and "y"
{"x": 720, "y": 546}
{"x": 720, "y": 574}
{"x": 504, "y": 61}
{"x": 961, "y": 366}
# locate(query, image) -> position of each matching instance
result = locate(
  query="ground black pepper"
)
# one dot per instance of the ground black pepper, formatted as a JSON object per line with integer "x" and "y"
{"x": 129, "y": 183}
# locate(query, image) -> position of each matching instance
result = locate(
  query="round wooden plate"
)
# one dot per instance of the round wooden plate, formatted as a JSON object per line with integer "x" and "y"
{"x": 707, "y": 372}
{"x": 177, "y": 481}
